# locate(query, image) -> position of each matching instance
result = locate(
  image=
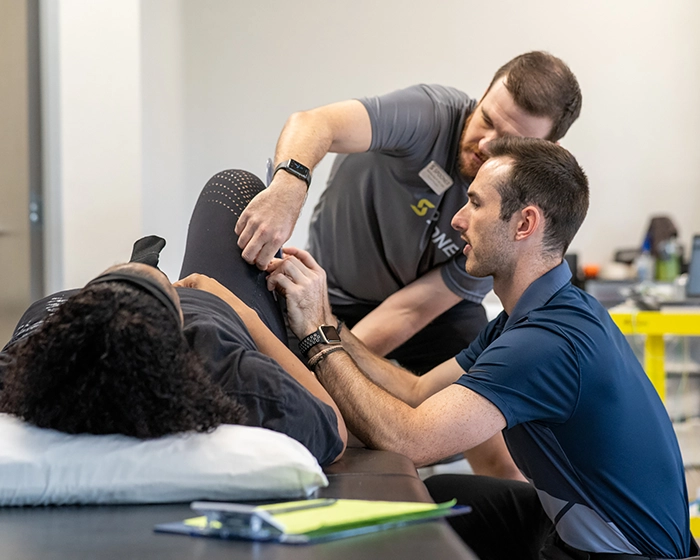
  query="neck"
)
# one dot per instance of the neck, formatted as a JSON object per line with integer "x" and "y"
{"x": 510, "y": 287}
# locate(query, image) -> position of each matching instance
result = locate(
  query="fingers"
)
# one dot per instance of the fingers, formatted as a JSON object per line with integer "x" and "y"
{"x": 252, "y": 240}
{"x": 191, "y": 281}
{"x": 241, "y": 223}
{"x": 266, "y": 254}
{"x": 297, "y": 271}
{"x": 250, "y": 244}
{"x": 244, "y": 244}
{"x": 304, "y": 256}
{"x": 259, "y": 246}
{"x": 278, "y": 281}
{"x": 275, "y": 263}
{"x": 290, "y": 273}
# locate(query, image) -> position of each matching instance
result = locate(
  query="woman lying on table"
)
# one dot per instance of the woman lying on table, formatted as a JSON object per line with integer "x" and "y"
{"x": 133, "y": 354}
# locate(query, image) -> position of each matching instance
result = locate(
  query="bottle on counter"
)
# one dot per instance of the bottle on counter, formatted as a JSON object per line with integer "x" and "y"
{"x": 644, "y": 263}
{"x": 668, "y": 265}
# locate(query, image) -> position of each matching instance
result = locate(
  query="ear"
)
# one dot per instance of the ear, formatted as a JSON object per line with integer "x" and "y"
{"x": 528, "y": 222}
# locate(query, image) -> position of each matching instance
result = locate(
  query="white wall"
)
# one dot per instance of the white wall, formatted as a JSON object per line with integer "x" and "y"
{"x": 167, "y": 202}
{"x": 92, "y": 124}
{"x": 219, "y": 79}
{"x": 248, "y": 65}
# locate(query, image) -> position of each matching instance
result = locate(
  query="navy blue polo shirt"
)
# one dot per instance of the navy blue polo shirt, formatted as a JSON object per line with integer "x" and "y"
{"x": 584, "y": 423}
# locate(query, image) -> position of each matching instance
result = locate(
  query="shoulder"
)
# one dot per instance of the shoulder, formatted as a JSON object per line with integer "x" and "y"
{"x": 574, "y": 315}
{"x": 445, "y": 94}
{"x": 37, "y": 312}
{"x": 530, "y": 371}
{"x": 425, "y": 95}
{"x": 211, "y": 324}
{"x": 534, "y": 339}
{"x": 200, "y": 303}
{"x": 414, "y": 121}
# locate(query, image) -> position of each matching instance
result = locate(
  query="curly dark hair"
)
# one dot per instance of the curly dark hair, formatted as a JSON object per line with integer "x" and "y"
{"x": 111, "y": 360}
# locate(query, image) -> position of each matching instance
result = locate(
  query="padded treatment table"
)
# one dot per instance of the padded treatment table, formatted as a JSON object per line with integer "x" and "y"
{"x": 126, "y": 532}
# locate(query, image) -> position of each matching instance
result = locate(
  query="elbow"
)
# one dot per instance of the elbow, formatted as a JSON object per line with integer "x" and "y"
{"x": 403, "y": 442}
{"x": 343, "y": 435}
{"x": 305, "y": 120}
{"x": 298, "y": 118}
{"x": 339, "y": 456}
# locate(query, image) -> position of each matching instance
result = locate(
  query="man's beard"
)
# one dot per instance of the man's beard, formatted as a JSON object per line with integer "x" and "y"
{"x": 468, "y": 167}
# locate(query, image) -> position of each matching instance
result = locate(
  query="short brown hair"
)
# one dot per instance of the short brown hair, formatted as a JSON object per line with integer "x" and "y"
{"x": 548, "y": 176}
{"x": 544, "y": 86}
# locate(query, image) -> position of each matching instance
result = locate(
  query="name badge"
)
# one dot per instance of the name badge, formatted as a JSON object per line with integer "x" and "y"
{"x": 436, "y": 177}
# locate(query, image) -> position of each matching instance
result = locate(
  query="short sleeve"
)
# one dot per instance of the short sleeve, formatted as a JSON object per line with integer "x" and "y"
{"x": 406, "y": 122}
{"x": 530, "y": 373}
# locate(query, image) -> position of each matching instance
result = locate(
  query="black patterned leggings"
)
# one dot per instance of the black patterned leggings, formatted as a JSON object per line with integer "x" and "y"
{"x": 212, "y": 248}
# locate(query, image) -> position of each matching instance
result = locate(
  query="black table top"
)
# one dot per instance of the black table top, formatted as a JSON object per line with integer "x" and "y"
{"x": 126, "y": 532}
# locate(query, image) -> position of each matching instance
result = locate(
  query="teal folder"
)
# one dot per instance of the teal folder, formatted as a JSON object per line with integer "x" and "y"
{"x": 305, "y": 521}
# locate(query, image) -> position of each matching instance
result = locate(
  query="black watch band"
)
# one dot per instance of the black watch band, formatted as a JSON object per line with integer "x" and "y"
{"x": 297, "y": 169}
{"x": 325, "y": 334}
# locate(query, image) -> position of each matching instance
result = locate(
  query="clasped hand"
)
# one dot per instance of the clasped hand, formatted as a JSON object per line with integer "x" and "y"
{"x": 302, "y": 281}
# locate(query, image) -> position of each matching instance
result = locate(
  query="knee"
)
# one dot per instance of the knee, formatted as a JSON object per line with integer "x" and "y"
{"x": 233, "y": 188}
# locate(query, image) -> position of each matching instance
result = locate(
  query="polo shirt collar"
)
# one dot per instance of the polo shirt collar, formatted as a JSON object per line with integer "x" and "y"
{"x": 540, "y": 292}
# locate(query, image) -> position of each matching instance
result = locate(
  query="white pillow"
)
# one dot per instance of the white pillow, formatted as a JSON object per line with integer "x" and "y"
{"x": 41, "y": 467}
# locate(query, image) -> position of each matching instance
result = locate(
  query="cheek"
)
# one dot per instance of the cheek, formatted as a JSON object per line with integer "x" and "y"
{"x": 475, "y": 132}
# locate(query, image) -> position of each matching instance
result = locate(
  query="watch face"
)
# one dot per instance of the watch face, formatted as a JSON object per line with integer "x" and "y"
{"x": 330, "y": 333}
{"x": 297, "y": 167}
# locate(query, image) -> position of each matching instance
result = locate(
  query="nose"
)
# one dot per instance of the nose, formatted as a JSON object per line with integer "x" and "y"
{"x": 459, "y": 220}
{"x": 491, "y": 135}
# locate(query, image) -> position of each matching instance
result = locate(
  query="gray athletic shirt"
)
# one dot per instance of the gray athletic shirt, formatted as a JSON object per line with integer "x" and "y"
{"x": 378, "y": 226}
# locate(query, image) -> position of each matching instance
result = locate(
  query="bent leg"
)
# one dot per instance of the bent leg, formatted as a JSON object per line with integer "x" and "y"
{"x": 507, "y": 520}
{"x": 212, "y": 247}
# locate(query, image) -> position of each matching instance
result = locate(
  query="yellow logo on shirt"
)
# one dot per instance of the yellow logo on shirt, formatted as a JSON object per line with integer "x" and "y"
{"x": 422, "y": 208}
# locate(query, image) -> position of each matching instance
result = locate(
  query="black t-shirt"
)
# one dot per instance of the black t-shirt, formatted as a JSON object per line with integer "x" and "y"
{"x": 272, "y": 398}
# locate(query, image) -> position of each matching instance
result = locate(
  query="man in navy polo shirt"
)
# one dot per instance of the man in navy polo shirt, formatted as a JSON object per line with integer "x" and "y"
{"x": 582, "y": 421}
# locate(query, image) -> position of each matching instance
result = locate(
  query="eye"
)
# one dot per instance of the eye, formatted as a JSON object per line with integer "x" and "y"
{"x": 488, "y": 123}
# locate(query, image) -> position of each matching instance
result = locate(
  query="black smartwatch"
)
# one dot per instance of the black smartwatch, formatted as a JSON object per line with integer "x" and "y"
{"x": 297, "y": 169}
{"x": 325, "y": 334}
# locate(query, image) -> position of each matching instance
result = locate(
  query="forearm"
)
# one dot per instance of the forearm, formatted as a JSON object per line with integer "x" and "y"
{"x": 401, "y": 383}
{"x": 271, "y": 346}
{"x": 388, "y": 326}
{"x": 308, "y": 136}
{"x": 405, "y": 313}
{"x": 268, "y": 220}
{"x": 304, "y": 138}
{"x": 450, "y": 421}
{"x": 377, "y": 418}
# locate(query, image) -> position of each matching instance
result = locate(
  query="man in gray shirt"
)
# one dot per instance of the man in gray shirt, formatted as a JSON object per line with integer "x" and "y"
{"x": 381, "y": 229}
